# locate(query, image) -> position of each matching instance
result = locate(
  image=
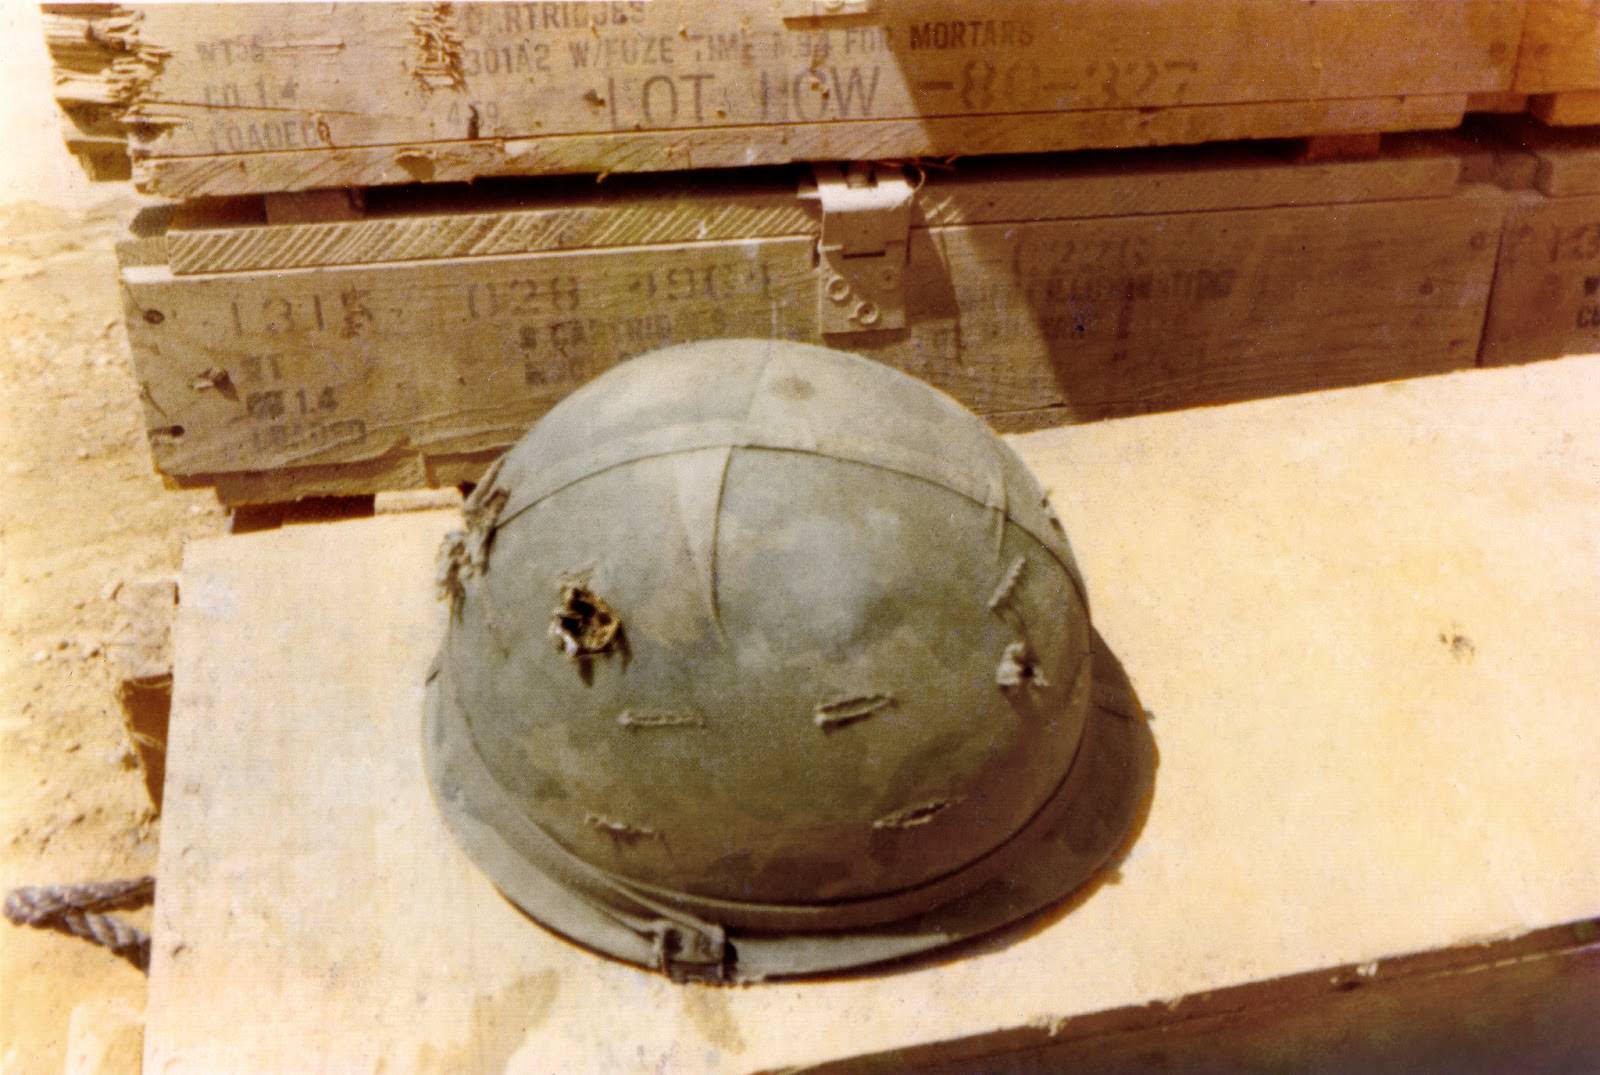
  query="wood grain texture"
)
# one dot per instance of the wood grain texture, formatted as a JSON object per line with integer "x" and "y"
{"x": 1560, "y": 47}
{"x": 940, "y": 137}
{"x": 1574, "y": 108}
{"x": 1546, "y": 300}
{"x": 416, "y": 225}
{"x": 247, "y": 98}
{"x": 644, "y": 221}
{"x": 1566, "y": 162}
{"x": 1569, "y": 167}
{"x": 1529, "y": 1000}
{"x": 1362, "y": 622}
{"x": 1032, "y": 290}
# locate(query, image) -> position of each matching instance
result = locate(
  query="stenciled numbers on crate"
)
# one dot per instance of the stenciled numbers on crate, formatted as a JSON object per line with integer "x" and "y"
{"x": 236, "y": 99}
{"x": 349, "y": 363}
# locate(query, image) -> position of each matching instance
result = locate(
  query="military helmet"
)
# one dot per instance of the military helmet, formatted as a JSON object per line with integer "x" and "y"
{"x": 765, "y": 659}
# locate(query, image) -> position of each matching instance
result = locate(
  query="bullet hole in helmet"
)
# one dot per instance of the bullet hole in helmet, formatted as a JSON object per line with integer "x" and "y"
{"x": 583, "y": 625}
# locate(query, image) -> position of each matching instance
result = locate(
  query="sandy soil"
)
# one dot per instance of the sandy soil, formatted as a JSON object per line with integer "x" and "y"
{"x": 81, "y": 510}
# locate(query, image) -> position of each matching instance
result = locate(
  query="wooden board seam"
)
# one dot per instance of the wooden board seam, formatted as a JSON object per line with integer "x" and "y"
{"x": 1554, "y": 943}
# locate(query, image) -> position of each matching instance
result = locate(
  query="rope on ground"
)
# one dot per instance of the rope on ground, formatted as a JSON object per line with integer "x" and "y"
{"x": 79, "y": 910}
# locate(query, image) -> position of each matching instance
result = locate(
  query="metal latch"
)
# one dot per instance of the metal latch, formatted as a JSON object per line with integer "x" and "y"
{"x": 824, "y": 9}
{"x": 861, "y": 257}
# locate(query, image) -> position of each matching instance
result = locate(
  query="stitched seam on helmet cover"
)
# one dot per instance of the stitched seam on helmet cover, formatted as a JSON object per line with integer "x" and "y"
{"x": 703, "y": 436}
{"x": 837, "y": 714}
{"x": 1008, "y": 585}
{"x": 604, "y": 890}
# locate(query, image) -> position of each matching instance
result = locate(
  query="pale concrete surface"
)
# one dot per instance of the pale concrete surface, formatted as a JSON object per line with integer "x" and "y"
{"x": 1365, "y": 623}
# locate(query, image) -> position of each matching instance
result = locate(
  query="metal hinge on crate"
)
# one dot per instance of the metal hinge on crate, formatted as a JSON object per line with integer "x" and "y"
{"x": 823, "y": 9}
{"x": 861, "y": 257}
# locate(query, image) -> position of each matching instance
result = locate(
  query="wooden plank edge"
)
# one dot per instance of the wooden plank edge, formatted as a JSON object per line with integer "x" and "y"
{"x": 100, "y": 67}
{"x": 1497, "y": 103}
{"x": 1573, "y": 108}
{"x": 416, "y": 470}
{"x": 707, "y": 208}
{"x": 1529, "y": 287}
{"x": 1487, "y": 158}
{"x": 1310, "y": 379}
{"x": 1565, "y": 161}
{"x": 371, "y": 166}
{"x": 1554, "y": 952}
{"x": 253, "y": 518}
{"x": 364, "y": 478}
{"x": 1352, "y": 145}
{"x": 1560, "y": 47}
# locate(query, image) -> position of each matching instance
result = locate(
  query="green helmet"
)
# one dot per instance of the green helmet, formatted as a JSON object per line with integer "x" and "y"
{"x": 765, "y": 659}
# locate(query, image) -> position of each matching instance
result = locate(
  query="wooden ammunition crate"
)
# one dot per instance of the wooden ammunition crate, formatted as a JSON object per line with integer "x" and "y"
{"x": 243, "y": 98}
{"x": 409, "y": 344}
{"x": 1559, "y": 63}
{"x": 1546, "y": 300}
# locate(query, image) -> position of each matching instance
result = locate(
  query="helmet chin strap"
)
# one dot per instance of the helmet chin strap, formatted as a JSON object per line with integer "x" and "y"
{"x": 676, "y": 936}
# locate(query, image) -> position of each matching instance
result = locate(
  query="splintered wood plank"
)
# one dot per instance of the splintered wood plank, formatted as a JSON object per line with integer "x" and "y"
{"x": 1546, "y": 300}
{"x": 246, "y": 98}
{"x": 262, "y": 351}
{"x": 1363, "y": 625}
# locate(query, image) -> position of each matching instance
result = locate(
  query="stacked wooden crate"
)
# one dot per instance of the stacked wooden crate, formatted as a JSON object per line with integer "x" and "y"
{"x": 387, "y": 252}
{"x": 241, "y": 99}
{"x": 1559, "y": 63}
{"x": 332, "y": 308}
{"x": 1547, "y": 280}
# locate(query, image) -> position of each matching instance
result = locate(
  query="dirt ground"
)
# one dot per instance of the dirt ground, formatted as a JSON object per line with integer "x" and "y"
{"x": 81, "y": 511}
